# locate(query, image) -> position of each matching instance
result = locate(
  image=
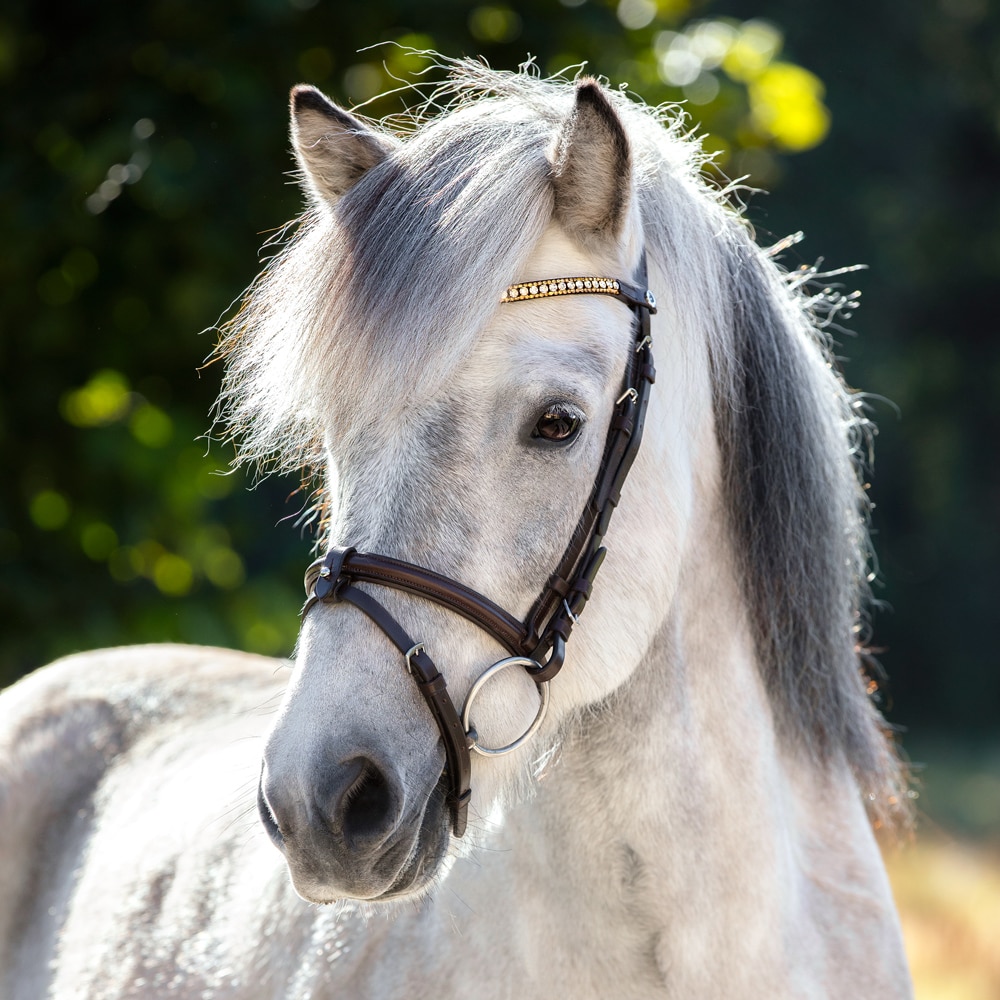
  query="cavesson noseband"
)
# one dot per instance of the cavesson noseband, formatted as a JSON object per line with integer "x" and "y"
{"x": 550, "y": 621}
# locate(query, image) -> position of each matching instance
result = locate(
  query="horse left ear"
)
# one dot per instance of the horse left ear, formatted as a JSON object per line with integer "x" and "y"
{"x": 332, "y": 147}
{"x": 592, "y": 168}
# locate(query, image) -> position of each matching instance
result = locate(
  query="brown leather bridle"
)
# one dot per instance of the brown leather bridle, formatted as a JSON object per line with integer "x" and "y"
{"x": 548, "y": 625}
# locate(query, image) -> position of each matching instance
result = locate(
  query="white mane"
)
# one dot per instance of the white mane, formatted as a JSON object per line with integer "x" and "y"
{"x": 400, "y": 279}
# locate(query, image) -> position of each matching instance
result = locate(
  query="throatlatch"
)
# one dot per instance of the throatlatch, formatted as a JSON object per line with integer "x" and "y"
{"x": 547, "y": 628}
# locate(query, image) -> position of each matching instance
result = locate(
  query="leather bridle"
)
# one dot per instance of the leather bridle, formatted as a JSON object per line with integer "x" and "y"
{"x": 547, "y": 627}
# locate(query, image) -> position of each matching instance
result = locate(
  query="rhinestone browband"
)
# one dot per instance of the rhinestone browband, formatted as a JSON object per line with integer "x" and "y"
{"x": 561, "y": 286}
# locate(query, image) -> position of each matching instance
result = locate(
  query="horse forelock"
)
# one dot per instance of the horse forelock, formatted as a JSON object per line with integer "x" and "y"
{"x": 398, "y": 282}
{"x": 429, "y": 240}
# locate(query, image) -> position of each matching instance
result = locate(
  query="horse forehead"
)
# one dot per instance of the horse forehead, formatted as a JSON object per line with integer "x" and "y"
{"x": 583, "y": 333}
{"x": 458, "y": 343}
{"x": 573, "y": 336}
{"x": 571, "y": 344}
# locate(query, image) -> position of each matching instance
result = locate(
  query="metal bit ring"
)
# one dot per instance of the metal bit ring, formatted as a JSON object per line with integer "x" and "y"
{"x": 543, "y": 694}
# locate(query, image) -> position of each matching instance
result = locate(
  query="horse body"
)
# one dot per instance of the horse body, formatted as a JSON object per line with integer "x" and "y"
{"x": 599, "y": 886}
{"x": 690, "y": 819}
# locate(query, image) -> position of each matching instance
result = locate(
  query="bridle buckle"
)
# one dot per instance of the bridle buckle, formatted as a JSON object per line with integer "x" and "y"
{"x": 417, "y": 647}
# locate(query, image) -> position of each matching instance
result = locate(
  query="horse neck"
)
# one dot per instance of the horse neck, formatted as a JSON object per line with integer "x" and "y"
{"x": 674, "y": 819}
{"x": 679, "y": 773}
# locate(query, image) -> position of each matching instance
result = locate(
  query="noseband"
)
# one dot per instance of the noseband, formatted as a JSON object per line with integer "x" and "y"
{"x": 538, "y": 644}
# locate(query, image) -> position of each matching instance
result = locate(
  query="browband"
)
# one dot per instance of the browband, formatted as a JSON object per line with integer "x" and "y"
{"x": 588, "y": 285}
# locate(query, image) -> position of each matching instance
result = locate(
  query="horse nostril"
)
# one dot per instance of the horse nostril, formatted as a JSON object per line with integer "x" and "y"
{"x": 365, "y": 808}
{"x": 267, "y": 817}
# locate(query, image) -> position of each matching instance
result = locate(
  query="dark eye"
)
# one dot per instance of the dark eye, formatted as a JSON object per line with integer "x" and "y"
{"x": 558, "y": 423}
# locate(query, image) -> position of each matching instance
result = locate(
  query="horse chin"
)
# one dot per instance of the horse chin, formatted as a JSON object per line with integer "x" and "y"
{"x": 406, "y": 869}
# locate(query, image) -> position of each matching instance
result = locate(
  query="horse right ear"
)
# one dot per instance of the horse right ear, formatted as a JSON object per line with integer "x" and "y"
{"x": 592, "y": 167}
{"x": 332, "y": 147}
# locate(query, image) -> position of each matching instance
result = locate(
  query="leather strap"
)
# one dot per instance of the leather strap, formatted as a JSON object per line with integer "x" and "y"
{"x": 508, "y": 631}
{"x": 429, "y": 681}
{"x": 554, "y": 613}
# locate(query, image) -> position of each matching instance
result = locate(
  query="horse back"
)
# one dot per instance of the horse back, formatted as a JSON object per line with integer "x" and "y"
{"x": 66, "y": 731}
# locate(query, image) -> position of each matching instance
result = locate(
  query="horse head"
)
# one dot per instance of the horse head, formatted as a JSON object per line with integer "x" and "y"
{"x": 461, "y": 433}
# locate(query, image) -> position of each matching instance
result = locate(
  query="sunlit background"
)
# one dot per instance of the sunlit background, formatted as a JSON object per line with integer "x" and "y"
{"x": 143, "y": 168}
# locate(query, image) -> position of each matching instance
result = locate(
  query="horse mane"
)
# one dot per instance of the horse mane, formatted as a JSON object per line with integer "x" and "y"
{"x": 795, "y": 443}
{"x": 428, "y": 240}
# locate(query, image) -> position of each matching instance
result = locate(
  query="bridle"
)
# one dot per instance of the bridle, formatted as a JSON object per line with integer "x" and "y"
{"x": 547, "y": 627}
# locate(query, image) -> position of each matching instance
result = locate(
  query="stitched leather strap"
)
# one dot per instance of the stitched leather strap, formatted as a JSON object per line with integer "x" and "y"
{"x": 332, "y": 586}
{"x": 480, "y": 610}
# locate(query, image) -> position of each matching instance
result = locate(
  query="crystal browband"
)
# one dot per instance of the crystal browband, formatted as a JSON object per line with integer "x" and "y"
{"x": 561, "y": 286}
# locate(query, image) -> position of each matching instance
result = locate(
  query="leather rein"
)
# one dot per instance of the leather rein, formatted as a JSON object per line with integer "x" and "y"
{"x": 548, "y": 625}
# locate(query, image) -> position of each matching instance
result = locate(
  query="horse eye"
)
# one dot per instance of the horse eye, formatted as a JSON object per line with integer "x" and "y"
{"x": 557, "y": 423}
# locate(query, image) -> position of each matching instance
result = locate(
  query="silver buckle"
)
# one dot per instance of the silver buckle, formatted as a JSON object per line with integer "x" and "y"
{"x": 417, "y": 647}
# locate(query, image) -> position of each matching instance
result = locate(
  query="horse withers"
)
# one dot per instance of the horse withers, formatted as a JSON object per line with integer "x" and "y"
{"x": 459, "y": 336}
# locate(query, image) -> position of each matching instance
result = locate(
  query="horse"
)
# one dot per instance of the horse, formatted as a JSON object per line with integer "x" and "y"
{"x": 662, "y": 773}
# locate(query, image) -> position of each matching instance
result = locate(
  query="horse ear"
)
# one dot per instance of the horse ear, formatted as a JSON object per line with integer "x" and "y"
{"x": 592, "y": 168}
{"x": 332, "y": 147}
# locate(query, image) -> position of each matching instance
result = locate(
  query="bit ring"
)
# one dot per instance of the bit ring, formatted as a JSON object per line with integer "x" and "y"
{"x": 543, "y": 694}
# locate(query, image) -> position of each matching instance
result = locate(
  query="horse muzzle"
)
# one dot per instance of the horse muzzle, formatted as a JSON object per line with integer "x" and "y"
{"x": 352, "y": 832}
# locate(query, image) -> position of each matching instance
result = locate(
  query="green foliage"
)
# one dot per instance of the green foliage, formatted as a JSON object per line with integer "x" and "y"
{"x": 144, "y": 153}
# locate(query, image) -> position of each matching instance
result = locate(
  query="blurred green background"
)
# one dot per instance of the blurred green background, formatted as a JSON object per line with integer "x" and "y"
{"x": 143, "y": 168}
